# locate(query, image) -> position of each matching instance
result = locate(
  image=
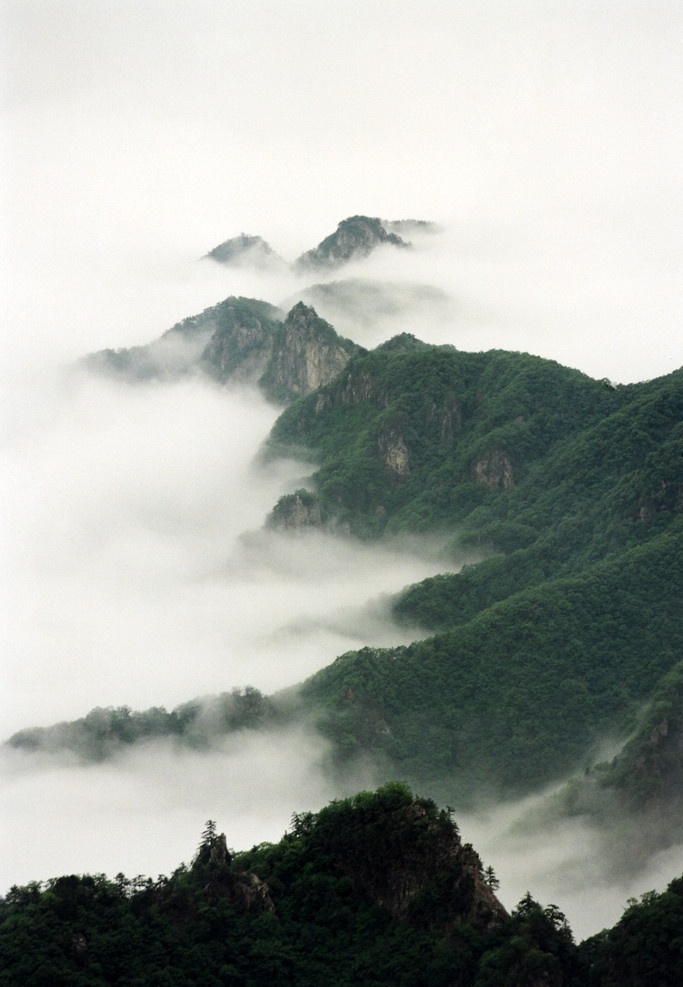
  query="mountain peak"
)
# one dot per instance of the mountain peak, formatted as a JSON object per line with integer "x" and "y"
{"x": 354, "y": 238}
{"x": 246, "y": 250}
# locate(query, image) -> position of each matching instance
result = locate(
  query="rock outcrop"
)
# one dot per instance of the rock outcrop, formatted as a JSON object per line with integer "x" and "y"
{"x": 244, "y": 340}
{"x": 404, "y": 854}
{"x": 230, "y": 340}
{"x": 306, "y": 354}
{"x": 394, "y": 452}
{"x": 296, "y": 512}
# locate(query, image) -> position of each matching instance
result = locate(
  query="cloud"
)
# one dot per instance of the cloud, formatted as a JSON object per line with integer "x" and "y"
{"x": 143, "y": 812}
{"x": 543, "y": 136}
{"x": 588, "y": 871}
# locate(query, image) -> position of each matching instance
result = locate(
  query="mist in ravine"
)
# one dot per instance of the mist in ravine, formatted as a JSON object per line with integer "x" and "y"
{"x": 136, "y": 566}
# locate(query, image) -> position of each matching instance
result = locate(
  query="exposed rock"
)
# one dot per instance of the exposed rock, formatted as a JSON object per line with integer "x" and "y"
{"x": 245, "y": 340}
{"x": 79, "y": 943}
{"x": 242, "y": 342}
{"x": 250, "y": 893}
{"x": 218, "y": 853}
{"x": 448, "y": 418}
{"x": 247, "y": 251}
{"x": 297, "y": 511}
{"x": 403, "y": 857}
{"x": 307, "y": 353}
{"x": 354, "y": 238}
{"x": 362, "y": 386}
{"x": 494, "y": 469}
{"x": 394, "y": 452}
{"x": 231, "y": 340}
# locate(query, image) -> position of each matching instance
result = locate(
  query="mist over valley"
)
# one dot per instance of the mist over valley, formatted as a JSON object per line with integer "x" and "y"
{"x": 341, "y": 439}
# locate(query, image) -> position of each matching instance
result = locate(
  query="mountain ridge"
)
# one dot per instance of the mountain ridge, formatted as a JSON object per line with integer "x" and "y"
{"x": 375, "y": 888}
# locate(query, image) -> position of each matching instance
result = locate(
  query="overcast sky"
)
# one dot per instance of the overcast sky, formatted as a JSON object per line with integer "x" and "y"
{"x": 543, "y": 136}
{"x": 546, "y": 134}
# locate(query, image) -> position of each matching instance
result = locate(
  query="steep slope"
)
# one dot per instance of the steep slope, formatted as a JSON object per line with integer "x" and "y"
{"x": 373, "y": 889}
{"x": 378, "y": 888}
{"x": 415, "y": 437}
{"x": 244, "y": 340}
{"x": 570, "y": 491}
{"x": 521, "y": 694}
{"x": 306, "y": 354}
{"x": 229, "y": 340}
{"x": 572, "y": 488}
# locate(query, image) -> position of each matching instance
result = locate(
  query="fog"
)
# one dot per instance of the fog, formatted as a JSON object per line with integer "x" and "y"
{"x": 589, "y": 872}
{"x": 143, "y": 811}
{"x": 543, "y": 137}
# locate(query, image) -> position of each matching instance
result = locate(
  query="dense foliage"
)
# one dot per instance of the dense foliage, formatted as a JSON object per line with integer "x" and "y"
{"x": 571, "y": 491}
{"x": 374, "y": 889}
{"x": 516, "y": 696}
{"x": 644, "y": 947}
{"x": 196, "y": 724}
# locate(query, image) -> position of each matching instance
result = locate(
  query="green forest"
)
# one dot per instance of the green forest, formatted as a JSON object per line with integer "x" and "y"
{"x": 374, "y": 889}
{"x": 564, "y": 497}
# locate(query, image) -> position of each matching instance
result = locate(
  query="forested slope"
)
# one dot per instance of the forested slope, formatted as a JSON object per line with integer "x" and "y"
{"x": 374, "y": 889}
{"x": 568, "y": 490}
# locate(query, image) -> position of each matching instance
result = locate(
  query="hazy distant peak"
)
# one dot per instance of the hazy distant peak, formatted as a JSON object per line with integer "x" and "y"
{"x": 411, "y": 227}
{"x": 405, "y": 342}
{"x": 246, "y": 251}
{"x": 354, "y": 238}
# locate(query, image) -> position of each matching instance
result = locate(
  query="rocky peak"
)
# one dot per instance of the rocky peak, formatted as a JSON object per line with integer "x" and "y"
{"x": 354, "y": 238}
{"x": 246, "y": 251}
{"x": 404, "y": 853}
{"x": 307, "y": 353}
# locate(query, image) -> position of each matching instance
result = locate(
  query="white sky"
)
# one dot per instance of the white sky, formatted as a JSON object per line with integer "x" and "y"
{"x": 135, "y": 136}
{"x": 547, "y": 135}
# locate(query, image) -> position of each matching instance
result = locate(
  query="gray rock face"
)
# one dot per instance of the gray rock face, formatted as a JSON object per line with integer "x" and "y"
{"x": 296, "y": 512}
{"x": 394, "y": 452}
{"x": 494, "y": 469}
{"x": 306, "y": 354}
{"x": 231, "y": 340}
{"x": 240, "y": 339}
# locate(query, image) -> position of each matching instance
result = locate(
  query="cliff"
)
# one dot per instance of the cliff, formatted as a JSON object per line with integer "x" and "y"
{"x": 230, "y": 340}
{"x": 306, "y": 354}
{"x": 240, "y": 339}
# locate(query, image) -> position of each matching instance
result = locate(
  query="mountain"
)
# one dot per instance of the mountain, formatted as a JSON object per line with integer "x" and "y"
{"x": 229, "y": 340}
{"x": 570, "y": 490}
{"x": 306, "y": 354}
{"x": 566, "y": 496}
{"x": 377, "y": 889}
{"x": 247, "y": 251}
{"x": 244, "y": 340}
{"x": 354, "y": 238}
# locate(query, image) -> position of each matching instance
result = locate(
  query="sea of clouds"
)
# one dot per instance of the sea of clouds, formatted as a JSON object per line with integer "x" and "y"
{"x": 541, "y": 137}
